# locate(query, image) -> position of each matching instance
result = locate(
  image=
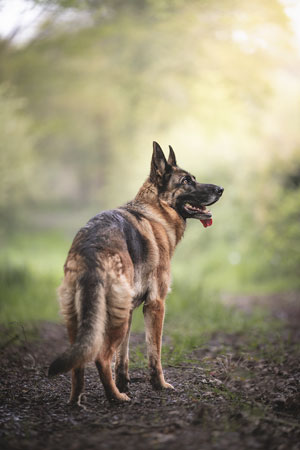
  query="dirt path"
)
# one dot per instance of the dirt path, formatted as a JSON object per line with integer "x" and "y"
{"x": 232, "y": 394}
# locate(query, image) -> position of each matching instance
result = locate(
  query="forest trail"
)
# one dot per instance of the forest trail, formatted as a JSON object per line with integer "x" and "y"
{"x": 231, "y": 393}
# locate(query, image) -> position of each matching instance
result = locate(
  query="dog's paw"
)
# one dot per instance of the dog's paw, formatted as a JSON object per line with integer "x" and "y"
{"x": 121, "y": 398}
{"x": 124, "y": 398}
{"x": 159, "y": 384}
{"x": 167, "y": 386}
{"x": 118, "y": 398}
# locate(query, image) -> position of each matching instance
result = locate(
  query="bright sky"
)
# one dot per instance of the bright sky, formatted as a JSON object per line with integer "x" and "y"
{"x": 292, "y": 10}
{"x": 19, "y": 13}
{"x": 27, "y": 16}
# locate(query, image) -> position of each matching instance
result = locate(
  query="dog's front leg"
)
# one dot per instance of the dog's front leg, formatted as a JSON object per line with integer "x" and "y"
{"x": 154, "y": 312}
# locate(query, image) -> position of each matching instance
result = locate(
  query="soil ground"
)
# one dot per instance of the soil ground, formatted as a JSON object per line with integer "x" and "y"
{"x": 235, "y": 392}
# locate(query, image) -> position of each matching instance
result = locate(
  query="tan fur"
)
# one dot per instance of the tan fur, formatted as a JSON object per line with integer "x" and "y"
{"x": 119, "y": 260}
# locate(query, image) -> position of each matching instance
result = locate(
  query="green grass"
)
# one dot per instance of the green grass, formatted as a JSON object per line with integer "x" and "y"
{"x": 31, "y": 268}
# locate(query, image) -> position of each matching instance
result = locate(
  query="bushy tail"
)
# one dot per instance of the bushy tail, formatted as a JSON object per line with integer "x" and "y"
{"x": 72, "y": 357}
{"x": 91, "y": 318}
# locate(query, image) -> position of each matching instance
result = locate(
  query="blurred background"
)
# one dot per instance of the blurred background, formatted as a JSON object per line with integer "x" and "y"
{"x": 87, "y": 85}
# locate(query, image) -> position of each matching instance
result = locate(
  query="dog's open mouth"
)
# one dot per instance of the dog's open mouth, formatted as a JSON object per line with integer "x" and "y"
{"x": 199, "y": 212}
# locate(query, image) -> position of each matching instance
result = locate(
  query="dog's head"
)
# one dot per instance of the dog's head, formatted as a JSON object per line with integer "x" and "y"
{"x": 180, "y": 189}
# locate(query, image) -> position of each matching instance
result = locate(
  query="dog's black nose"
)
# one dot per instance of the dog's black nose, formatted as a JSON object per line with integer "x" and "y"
{"x": 220, "y": 190}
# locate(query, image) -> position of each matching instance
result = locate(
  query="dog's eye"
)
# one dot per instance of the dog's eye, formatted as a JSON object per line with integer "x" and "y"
{"x": 187, "y": 180}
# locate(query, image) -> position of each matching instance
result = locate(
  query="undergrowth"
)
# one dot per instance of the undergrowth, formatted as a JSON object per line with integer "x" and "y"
{"x": 31, "y": 269}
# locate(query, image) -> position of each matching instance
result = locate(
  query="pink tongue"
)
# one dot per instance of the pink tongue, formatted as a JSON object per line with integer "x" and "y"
{"x": 206, "y": 222}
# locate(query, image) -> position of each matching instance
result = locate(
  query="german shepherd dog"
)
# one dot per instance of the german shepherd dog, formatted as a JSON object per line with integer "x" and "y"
{"x": 118, "y": 260}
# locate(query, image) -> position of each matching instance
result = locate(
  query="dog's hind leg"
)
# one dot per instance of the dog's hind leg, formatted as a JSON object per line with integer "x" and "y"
{"x": 119, "y": 301}
{"x": 154, "y": 317}
{"x": 113, "y": 339}
{"x": 122, "y": 361}
{"x": 78, "y": 372}
{"x": 67, "y": 293}
{"x": 77, "y": 385}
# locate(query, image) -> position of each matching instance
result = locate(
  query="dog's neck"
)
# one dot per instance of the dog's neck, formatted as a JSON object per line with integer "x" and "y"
{"x": 161, "y": 211}
{"x": 147, "y": 193}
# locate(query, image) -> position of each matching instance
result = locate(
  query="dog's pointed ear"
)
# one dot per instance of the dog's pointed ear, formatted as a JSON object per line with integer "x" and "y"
{"x": 172, "y": 157}
{"x": 159, "y": 164}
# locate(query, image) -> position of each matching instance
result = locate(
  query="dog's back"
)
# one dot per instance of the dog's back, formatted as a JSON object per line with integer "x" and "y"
{"x": 118, "y": 260}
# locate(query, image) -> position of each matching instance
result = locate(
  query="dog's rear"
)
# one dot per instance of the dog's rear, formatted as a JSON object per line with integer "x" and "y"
{"x": 95, "y": 299}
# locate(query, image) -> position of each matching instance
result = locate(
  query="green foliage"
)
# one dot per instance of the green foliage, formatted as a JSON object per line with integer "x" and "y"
{"x": 17, "y": 154}
{"x": 102, "y": 92}
{"x": 281, "y": 234}
{"x": 27, "y": 297}
{"x": 213, "y": 79}
{"x": 30, "y": 272}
